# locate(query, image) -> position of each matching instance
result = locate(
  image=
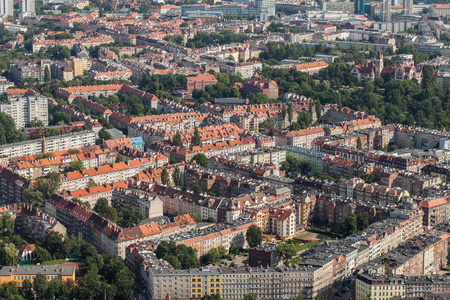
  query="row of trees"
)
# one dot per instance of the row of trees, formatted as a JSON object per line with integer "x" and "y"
{"x": 129, "y": 216}
{"x": 179, "y": 256}
{"x": 204, "y": 39}
{"x": 294, "y": 166}
{"x": 354, "y": 223}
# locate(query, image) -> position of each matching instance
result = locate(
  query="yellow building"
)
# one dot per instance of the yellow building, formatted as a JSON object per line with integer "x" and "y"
{"x": 196, "y": 287}
{"x": 79, "y": 65}
{"x": 205, "y": 281}
{"x": 304, "y": 206}
{"x": 19, "y": 274}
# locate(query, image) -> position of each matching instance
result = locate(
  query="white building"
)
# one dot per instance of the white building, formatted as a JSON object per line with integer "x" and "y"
{"x": 27, "y": 6}
{"x": 24, "y": 109}
{"x": 6, "y": 8}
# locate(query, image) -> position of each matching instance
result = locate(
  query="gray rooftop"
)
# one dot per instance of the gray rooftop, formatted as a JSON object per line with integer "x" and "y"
{"x": 33, "y": 270}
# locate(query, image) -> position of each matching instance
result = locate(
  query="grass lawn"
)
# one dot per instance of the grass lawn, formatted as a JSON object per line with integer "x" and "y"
{"x": 59, "y": 262}
{"x": 302, "y": 236}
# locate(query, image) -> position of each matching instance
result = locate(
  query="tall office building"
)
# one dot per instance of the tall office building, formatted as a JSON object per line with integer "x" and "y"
{"x": 359, "y": 6}
{"x": 27, "y": 6}
{"x": 386, "y": 10}
{"x": 407, "y": 7}
{"x": 263, "y": 9}
{"x": 6, "y": 8}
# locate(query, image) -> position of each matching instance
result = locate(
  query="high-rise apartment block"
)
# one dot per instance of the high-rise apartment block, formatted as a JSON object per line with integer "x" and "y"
{"x": 27, "y": 6}
{"x": 24, "y": 109}
{"x": 6, "y": 8}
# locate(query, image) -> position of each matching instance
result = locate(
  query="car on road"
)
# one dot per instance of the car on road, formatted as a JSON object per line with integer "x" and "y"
{"x": 338, "y": 294}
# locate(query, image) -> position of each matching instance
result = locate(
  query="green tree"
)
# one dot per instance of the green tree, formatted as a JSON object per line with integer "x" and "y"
{"x": 211, "y": 220}
{"x": 359, "y": 144}
{"x": 195, "y": 217}
{"x": 102, "y": 207}
{"x": 201, "y": 159}
{"x": 104, "y": 135}
{"x": 47, "y": 76}
{"x": 8, "y": 255}
{"x": 165, "y": 179}
{"x": 286, "y": 251}
{"x": 6, "y": 226}
{"x": 197, "y": 190}
{"x": 362, "y": 220}
{"x": 211, "y": 297}
{"x": 27, "y": 289}
{"x": 212, "y": 256}
{"x": 53, "y": 242}
{"x": 187, "y": 256}
{"x": 177, "y": 178}
{"x": 40, "y": 255}
{"x": 254, "y": 236}
{"x": 131, "y": 216}
{"x": 91, "y": 183}
{"x": 176, "y": 140}
{"x": 40, "y": 285}
{"x": 76, "y": 166}
{"x": 349, "y": 226}
{"x": 267, "y": 123}
{"x": 290, "y": 112}
{"x": 196, "y": 139}
{"x": 251, "y": 296}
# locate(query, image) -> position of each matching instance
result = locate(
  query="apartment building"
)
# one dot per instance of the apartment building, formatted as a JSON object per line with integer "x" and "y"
{"x": 266, "y": 283}
{"x": 379, "y": 287}
{"x": 315, "y": 158}
{"x": 422, "y": 255}
{"x": 26, "y": 108}
{"x": 199, "y": 82}
{"x": 150, "y": 205}
{"x": 12, "y": 186}
{"x": 51, "y": 273}
{"x": 5, "y": 85}
{"x": 436, "y": 211}
{"x": 263, "y": 111}
{"x": 176, "y": 200}
{"x": 222, "y": 183}
{"x": 77, "y": 180}
{"x": 184, "y": 154}
{"x": 61, "y": 71}
{"x": 171, "y": 122}
{"x": 246, "y": 69}
{"x": 301, "y": 138}
{"x": 104, "y": 235}
{"x": 39, "y": 44}
{"x": 383, "y": 236}
{"x": 94, "y": 107}
{"x": 92, "y": 194}
{"x": 70, "y": 93}
{"x": 49, "y": 144}
{"x": 208, "y": 135}
{"x": 282, "y": 223}
{"x": 29, "y": 69}
{"x": 356, "y": 189}
{"x": 258, "y": 85}
{"x": 37, "y": 167}
{"x": 90, "y": 122}
{"x": 273, "y": 156}
{"x": 388, "y": 287}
